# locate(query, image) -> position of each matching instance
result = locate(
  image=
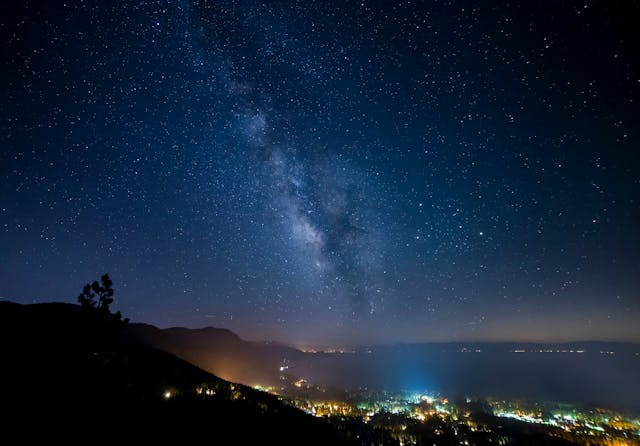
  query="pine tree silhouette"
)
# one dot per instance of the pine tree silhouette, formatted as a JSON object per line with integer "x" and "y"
{"x": 97, "y": 297}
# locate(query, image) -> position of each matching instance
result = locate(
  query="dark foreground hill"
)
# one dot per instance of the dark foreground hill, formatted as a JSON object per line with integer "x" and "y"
{"x": 62, "y": 380}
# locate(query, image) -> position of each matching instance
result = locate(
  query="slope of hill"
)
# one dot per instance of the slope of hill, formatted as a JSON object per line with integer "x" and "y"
{"x": 56, "y": 384}
{"x": 218, "y": 351}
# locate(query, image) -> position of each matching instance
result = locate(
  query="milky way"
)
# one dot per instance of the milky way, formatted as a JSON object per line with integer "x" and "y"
{"x": 320, "y": 172}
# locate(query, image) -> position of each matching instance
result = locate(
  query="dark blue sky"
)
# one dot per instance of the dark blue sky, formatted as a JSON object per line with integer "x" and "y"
{"x": 327, "y": 172}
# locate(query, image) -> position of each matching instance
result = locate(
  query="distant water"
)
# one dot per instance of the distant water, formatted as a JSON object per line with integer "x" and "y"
{"x": 593, "y": 378}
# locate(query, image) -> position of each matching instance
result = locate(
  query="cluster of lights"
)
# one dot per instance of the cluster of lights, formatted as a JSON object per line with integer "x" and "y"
{"x": 412, "y": 406}
{"x": 300, "y": 382}
{"x": 586, "y": 423}
{"x": 521, "y": 350}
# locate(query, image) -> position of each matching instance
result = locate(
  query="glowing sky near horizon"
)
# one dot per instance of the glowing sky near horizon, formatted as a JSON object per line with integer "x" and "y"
{"x": 327, "y": 172}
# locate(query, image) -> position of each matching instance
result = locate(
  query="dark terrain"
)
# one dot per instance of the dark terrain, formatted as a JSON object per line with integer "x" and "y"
{"x": 218, "y": 351}
{"x": 66, "y": 376}
{"x": 70, "y": 374}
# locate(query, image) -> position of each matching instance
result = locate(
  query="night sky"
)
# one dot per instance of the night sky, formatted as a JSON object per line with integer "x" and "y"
{"x": 327, "y": 172}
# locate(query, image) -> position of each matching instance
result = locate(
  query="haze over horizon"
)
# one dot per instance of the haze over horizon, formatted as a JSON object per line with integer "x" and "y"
{"x": 328, "y": 173}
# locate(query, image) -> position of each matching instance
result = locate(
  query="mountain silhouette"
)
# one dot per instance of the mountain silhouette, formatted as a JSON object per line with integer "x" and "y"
{"x": 218, "y": 351}
{"x": 56, "y": 385}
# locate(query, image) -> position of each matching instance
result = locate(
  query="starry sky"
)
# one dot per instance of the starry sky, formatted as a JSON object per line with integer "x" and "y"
{"x": 327, "y": 172}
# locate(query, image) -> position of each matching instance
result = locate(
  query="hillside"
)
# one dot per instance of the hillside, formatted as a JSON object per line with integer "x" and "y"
{"x": 219, "y": 351}
{"x": 130, "y": 391}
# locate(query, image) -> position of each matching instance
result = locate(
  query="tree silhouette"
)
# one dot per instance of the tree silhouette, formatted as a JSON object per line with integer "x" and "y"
{"x": 97, "y": 297}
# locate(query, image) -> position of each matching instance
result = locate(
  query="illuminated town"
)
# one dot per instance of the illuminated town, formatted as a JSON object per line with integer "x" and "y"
{"x": 414, "y": 418}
